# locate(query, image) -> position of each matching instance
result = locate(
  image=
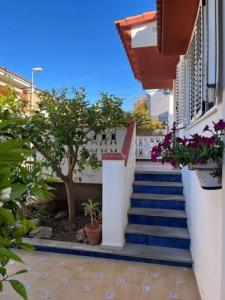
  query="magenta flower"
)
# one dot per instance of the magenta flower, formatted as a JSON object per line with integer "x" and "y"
{"x": 206, "y": 128}
{"x": 219, "y": 125}
{"x": 208, "y": 141}
{"x": 196, "y": 139}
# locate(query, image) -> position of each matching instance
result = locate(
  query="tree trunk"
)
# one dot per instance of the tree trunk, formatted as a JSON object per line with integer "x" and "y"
{"x": 70, "y": 191}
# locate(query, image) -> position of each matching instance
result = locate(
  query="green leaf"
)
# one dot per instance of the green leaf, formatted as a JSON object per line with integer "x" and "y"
{"x": 7, "y": 216}
{"x": 19, "y": 288}
{"x": 2, "y": 271}
{"x": 18, "y": 190}
{"x": 3, "y": 260}
{"x": 20, "y": 272}
{"x": 9, "y": 254}
{"x": 4, "y": 242}
{"x": 1, "y": 286}
{"x": 27, "y": 247}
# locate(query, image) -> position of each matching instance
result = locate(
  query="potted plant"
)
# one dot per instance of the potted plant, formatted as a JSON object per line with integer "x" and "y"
{"x": 202, "y": 153}
{"x": 98, "y": 218}
{"x": 93, "y": 229}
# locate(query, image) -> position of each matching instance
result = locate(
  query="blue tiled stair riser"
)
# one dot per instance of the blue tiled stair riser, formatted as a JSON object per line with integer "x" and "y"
{"x": 165, "y": 190}
{"x": 111, "y": 256}
{"x": 158, "y": 177}
{"x": 165, "y": 204}
{"x": 158, "y": 221}
{"x": 161, "y": 241}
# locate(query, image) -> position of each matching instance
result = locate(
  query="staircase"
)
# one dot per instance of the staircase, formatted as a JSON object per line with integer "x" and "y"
{"x": 157, "y": 229}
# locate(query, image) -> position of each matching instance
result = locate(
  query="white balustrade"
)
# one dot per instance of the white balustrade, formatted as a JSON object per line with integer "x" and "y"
{"x": 144, "y": 145}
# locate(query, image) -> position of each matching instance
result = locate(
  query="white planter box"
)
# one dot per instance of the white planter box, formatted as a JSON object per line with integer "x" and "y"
{"x": 206, "y": 179}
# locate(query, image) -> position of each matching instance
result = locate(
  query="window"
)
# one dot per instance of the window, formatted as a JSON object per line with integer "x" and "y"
{"x": 192, "y": 80}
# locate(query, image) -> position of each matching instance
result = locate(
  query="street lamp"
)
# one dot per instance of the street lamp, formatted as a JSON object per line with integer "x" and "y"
{"x": 35, "y": 69}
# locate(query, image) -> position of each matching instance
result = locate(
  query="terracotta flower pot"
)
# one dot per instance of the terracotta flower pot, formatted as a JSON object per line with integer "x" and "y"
{"x": 93, "y": 233}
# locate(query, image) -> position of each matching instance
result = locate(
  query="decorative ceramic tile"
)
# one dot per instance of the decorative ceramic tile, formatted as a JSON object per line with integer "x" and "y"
{"x": 121, "y": 280}
{"x": 173, "y": 296}
{"x": 46, "y": 296}
{"x": 44, "y": 274}
{"x": 78, "y": 269}
{"x": 99, "y": 274}
{"x": 54, "y": 276}
{"x": 131, "y": 269}
{"x": 64, "y": 280}
{"x": 146, "y": 288}
{"x": 154, "y": 274}
{"x": 27, "y": 286}
{"x": 85, "y": 288}
{"x": 110, "y": 295}
{"x": 179, "y": 281}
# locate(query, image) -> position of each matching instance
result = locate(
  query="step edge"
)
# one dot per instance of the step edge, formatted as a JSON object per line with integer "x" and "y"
{"x": 149, "y": 196}
{"x": 138, "y": 231}
{"x": 148, "y": 212}
{"x": 158, "y": 172}
{"x": 158, "y": 183}
{"x": 189, "y": 260}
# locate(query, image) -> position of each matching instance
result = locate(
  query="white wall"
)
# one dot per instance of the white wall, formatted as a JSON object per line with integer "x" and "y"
{"x": 99, "y": 147}
{"x": 144, "y": 35}
{"x": 160, "y": 103}
{"x": 117, "y": 180}
{"x": 204, "y": 210}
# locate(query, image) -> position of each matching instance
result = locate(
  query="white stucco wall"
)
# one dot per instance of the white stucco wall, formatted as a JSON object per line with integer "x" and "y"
{"x": 144, "y": 35}
{"x": 204, "y": 210}
{"x": 160, "y": 103}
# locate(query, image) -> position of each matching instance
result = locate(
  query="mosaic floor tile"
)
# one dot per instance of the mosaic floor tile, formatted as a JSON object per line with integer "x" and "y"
{"x": 57, "y": 276}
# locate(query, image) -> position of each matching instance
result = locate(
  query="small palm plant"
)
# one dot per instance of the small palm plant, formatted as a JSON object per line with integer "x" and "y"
{"x": 93, "y": 230}
{"x": 91, "y": 209}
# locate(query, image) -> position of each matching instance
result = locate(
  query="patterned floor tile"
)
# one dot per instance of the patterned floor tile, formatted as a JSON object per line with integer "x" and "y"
{"x": 67, "y": 277}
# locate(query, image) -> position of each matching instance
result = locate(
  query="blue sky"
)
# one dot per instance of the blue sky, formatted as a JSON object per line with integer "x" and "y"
{"x": 75, "y": 41}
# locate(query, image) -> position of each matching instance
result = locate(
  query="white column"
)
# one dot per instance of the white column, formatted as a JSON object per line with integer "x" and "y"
{"x": 113, "y": 185}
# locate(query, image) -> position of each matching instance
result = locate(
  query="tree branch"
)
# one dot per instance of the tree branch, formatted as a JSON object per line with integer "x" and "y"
{"x": 55, "y": 168}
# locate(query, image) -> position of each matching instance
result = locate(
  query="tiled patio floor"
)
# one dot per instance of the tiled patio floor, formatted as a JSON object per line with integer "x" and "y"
{"x": 67, "y": 277}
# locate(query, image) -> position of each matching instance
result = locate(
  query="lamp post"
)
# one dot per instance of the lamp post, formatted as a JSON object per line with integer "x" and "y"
{"x": 35, "y": 69}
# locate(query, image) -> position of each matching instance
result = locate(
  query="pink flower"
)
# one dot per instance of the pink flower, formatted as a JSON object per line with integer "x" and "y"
{"x": 206, "y": 128}
{"x": 209, "y": 140}
{"x": 153, "y": 157}
{"x": 219, "y": 125}
{"x": 196, "y": 138}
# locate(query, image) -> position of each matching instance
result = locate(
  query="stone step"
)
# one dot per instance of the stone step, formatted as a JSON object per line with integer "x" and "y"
{"x": 158, "y": 217}
{"x": 157, "y": 187}
{"x": 130, "y": 252}
{"x": 158, "y": 176}
{"x": 158, "y": 236}
{"x": 157, "y": 201}
{"x": 160, "y": 255}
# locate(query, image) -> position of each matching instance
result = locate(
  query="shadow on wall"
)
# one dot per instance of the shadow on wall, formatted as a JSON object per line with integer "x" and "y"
{"x": 83, "y": 192}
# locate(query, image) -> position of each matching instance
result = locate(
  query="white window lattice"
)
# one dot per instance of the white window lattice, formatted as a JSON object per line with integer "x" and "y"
{"x": 180, "y": 92}
{"x": 191, "y": 81}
